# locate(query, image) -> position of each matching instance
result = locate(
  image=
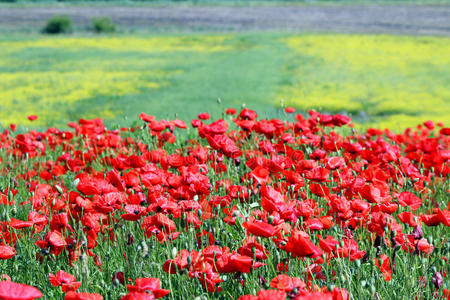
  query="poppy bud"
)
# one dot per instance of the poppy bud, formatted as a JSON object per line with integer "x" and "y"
{"x": 437, "y": 280}
{"x": 270, "y": 219}
{"x": 14, "y": 181}
{"x": 144, "y": 249}
{"x": 116, "y": 282}
{"x": 199, "y": 213}
{"x": 372, "y": 289}
{"x": 189, "y": 260}
{"x": 237, "y": 162}
{"x": 130, "y": 239}
{"x": 262, "y": 279}
{"x": 417, "y": 232}
{"x": 358, "y": 263}
{"x": 174, "y": 252}
{"x": 59, "y": 189}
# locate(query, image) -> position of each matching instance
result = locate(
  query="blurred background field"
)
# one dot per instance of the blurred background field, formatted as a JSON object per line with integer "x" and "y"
{"x": 396, "y": 80}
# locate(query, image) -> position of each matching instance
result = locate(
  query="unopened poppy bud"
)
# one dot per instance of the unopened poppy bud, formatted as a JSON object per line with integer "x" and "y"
{"x": 144, "y": 249}
{"x": 270, "y": 219}
{"x": 417, "y": 232}
{"x": 437, "y": 280}
{"x": 199, "y": 213}
{"x": 358, "y": 263}
{"x": 116, "y": 282}
{"x": 363, "y": 283}
{"x": 341, "y": 243}
{"x": 130, "y": 239}
{"x": 174, "y": 252}
{"x": 372, "y": 289}
{"x": 59, "y": 189}
{"x": 237, "y": 162}
{"x": 189, "y": 260}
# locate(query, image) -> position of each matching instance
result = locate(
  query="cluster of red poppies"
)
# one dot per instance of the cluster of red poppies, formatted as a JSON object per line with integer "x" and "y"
{"x": 284, "y": 184}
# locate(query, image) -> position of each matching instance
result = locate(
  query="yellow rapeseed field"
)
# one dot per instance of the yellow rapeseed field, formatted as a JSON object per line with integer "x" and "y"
{"x": 385, "y": 81}
{"x": 30, "y": 87}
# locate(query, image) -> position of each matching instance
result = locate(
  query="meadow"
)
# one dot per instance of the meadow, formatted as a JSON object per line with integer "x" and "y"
{"x": 224, "y": 164}
{"x": 378, "y": 80}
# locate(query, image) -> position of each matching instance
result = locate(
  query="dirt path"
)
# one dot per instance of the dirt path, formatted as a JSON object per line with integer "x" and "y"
{"x": 391, "y": 19}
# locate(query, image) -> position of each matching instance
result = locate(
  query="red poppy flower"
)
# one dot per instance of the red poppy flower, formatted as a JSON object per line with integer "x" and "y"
{"x": 230, "y": 111}
{"x": 138, "y": 296}
{"x": 204, "y": 116}
{"x": 17, "y": 291}
{"x": 261, "y": 229}
{"x": 32, "y": 117}
{"x": 409, "y": 199}
{"x": 286, "y": 283}
{"x": 6, "y": 252}
{"x": 83, "y": 296}
{"x": 65, "y": 280}
{"x": 299, "y": 245}
{"x": 384, "y": 266}
{"x": 289, "y": 110}
{"x": 266, "y": 295}
{"x": 143, "y": 285}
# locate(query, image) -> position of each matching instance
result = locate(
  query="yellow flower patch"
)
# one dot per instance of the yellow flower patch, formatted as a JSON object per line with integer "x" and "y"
{"x": 386, "y": 81}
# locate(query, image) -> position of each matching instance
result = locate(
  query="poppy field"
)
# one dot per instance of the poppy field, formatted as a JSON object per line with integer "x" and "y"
{"x": 227, "y": 206}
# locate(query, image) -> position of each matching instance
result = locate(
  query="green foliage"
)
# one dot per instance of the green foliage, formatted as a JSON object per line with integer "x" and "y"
{"x": 103, "y": 25}
{"x": 58, "y": 24}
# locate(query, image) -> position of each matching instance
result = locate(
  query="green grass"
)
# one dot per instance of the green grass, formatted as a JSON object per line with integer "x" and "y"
{"x": 380, "y": 80}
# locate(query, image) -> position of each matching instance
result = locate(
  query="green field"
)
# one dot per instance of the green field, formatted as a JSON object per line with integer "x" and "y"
{"x": 386, "y": 81}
